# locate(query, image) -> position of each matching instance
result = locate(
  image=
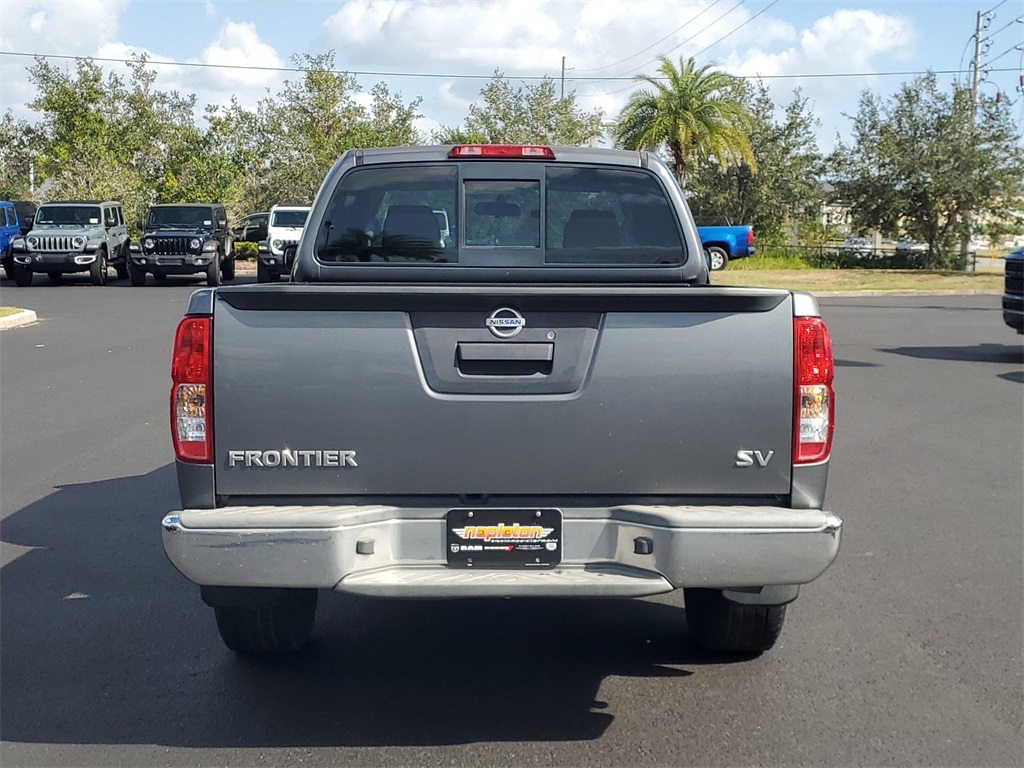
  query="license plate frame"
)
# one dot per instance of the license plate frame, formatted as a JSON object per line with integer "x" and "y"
{"x": 521, "y": 538}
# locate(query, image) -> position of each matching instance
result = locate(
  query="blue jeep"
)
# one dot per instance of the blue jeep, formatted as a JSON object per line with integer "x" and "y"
{"x": 9, "y": 229}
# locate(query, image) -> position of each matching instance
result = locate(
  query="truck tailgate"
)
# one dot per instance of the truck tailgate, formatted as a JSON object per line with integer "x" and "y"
{"x": 637, "y": 390}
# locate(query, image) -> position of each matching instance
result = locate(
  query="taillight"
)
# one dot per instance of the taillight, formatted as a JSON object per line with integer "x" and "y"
{"x": 518, "y": 151}
{"x": 814, "y": 408}
{"x": 190, "y": 391}
{"x": 750, "y": 236}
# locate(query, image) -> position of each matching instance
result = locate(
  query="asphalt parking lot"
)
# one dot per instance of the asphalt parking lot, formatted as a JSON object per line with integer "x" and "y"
{"x": 907, "y": 652}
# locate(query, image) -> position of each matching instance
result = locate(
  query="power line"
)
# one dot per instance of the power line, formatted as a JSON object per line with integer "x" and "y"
{"x": 457, "y": 76}
{"x": 1008, "y": 50}
{"x": 967, "y": 45}
{"x": 735, "y": 29}
{"x": 255, "y": 68}
{"x": 688, "y": 39}
{"x": 680, "y": 45}
{"x": 634, "y": 55}
{"x": 1007, "y": 24}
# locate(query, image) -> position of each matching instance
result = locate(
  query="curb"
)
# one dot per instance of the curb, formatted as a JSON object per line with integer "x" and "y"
{"x": 25, "y": 317}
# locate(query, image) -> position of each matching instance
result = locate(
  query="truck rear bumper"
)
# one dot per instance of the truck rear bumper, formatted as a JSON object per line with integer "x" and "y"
{"x": 400, "y": 552}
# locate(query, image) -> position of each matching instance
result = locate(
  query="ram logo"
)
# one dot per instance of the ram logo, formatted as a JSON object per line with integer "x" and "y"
{"x": 749, "y": 458}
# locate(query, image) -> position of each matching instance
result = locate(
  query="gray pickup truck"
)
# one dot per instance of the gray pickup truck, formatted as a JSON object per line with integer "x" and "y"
{"x": 552, "y": 401}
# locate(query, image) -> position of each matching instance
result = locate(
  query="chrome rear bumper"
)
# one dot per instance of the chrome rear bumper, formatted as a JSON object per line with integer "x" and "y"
{"x": 400, "y": 552}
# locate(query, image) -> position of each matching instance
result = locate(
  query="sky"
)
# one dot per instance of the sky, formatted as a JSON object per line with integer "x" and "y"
{"x": 445, "y": 51}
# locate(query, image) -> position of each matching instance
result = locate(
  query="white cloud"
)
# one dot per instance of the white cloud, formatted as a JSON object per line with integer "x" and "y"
{"x": 239, "y": 45}
{"x": 599, "y": 39}
{"x": 234, "y": 47}
{"x": 49, "y": 26}
{"x": 523, "y": 38}
{"x": 843, "y": 42}
{"x": 37, "y": 22}
{"x": 58, "y": 26}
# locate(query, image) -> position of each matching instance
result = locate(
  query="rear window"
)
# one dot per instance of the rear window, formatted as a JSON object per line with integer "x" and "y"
{"x": 430, "y": 214}
{"x": 387, "y": 215}
{"x": 599, "y": 216}
{"x": 289, "y": 218}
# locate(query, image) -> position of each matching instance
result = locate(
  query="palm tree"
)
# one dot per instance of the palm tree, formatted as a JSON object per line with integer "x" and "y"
{"x": 698, "y": 113}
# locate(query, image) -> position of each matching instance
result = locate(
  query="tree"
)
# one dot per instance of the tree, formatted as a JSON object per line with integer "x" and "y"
{"x": 313, "y": 121}
{"x": 18, "y": 140}
{"x": 118, "y": 137}
{"x": 106, "y": 138}
{"x": 529, "y": 114}
{"x": 922, "y": 163}
{"x": 788, "y": 168}
{"x": 698, "y": 113}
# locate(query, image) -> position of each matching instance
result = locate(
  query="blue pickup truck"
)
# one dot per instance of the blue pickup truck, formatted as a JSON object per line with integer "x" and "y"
{"x": 724, "y": 242}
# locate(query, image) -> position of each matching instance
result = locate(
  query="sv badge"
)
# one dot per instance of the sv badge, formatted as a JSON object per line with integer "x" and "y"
{"x": 749, "y": 458}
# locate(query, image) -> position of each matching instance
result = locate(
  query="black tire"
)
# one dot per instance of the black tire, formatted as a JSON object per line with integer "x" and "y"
{"x": 719, "y": 258}
{"x": 56, "y": 278}
{"x": 98, "y": 269}
{"x": 264, "y": 274}
{"x": 160, "y": 277}
{"x": 278, "y": 629}
{"x": 213, "y": 272}
{"x": 227, "y": 269}
{"x": 9, "y": 263}
{"x": 724, "y": 627}
{"x": 136, "y": 274}
{"x": 22, "y": 276}
{"x": 122, "y": 266}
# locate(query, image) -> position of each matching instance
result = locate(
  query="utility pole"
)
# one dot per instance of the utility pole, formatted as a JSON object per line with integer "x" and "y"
{"x": 561, "y": 94}
{"x": 965, "y": 238}
{"x": 975, "y": 67}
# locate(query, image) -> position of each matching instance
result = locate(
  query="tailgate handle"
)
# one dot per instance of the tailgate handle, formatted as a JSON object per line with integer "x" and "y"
{"x": 508, "y": 359}
{"x": 470, "y": 351}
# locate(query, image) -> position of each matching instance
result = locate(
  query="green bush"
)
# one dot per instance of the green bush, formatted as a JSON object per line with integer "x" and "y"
{"x": 245, "y": 250}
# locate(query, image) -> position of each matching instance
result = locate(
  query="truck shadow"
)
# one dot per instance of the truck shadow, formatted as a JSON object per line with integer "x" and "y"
{"x": 103, "y": 642}
{"x": 979, "y": 353}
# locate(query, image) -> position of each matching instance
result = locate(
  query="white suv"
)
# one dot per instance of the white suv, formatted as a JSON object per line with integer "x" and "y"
{"x": 284, "y": 228}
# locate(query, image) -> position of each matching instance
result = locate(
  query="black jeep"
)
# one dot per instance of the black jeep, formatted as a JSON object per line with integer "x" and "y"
{"x": 183, "y": 239}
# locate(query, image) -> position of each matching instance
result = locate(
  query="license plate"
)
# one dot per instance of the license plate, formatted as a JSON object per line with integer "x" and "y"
{"x": 504, "y": 538}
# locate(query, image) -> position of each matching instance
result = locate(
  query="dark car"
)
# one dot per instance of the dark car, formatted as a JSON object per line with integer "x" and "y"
{"x": 1013, "y": 293}
{"x": 26, "y": 214}
{"x": 251, "y": 228}
{"x": 184, "y": 239}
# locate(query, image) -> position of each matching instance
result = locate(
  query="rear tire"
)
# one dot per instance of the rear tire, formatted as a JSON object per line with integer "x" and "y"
{"x": 213, "y": 272}
{"x": 122, "y": 266}
{"x": 227, "y": 269}
{"x": 22, "y": 276}
{"x": 279, "y": 628}
{"x": 719, "y": 258}
{"x": 264, "y": 274}
{"x": 98, "y": 269}
{"x": 724, "y": 627}
{"x": 136, "y": 274}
